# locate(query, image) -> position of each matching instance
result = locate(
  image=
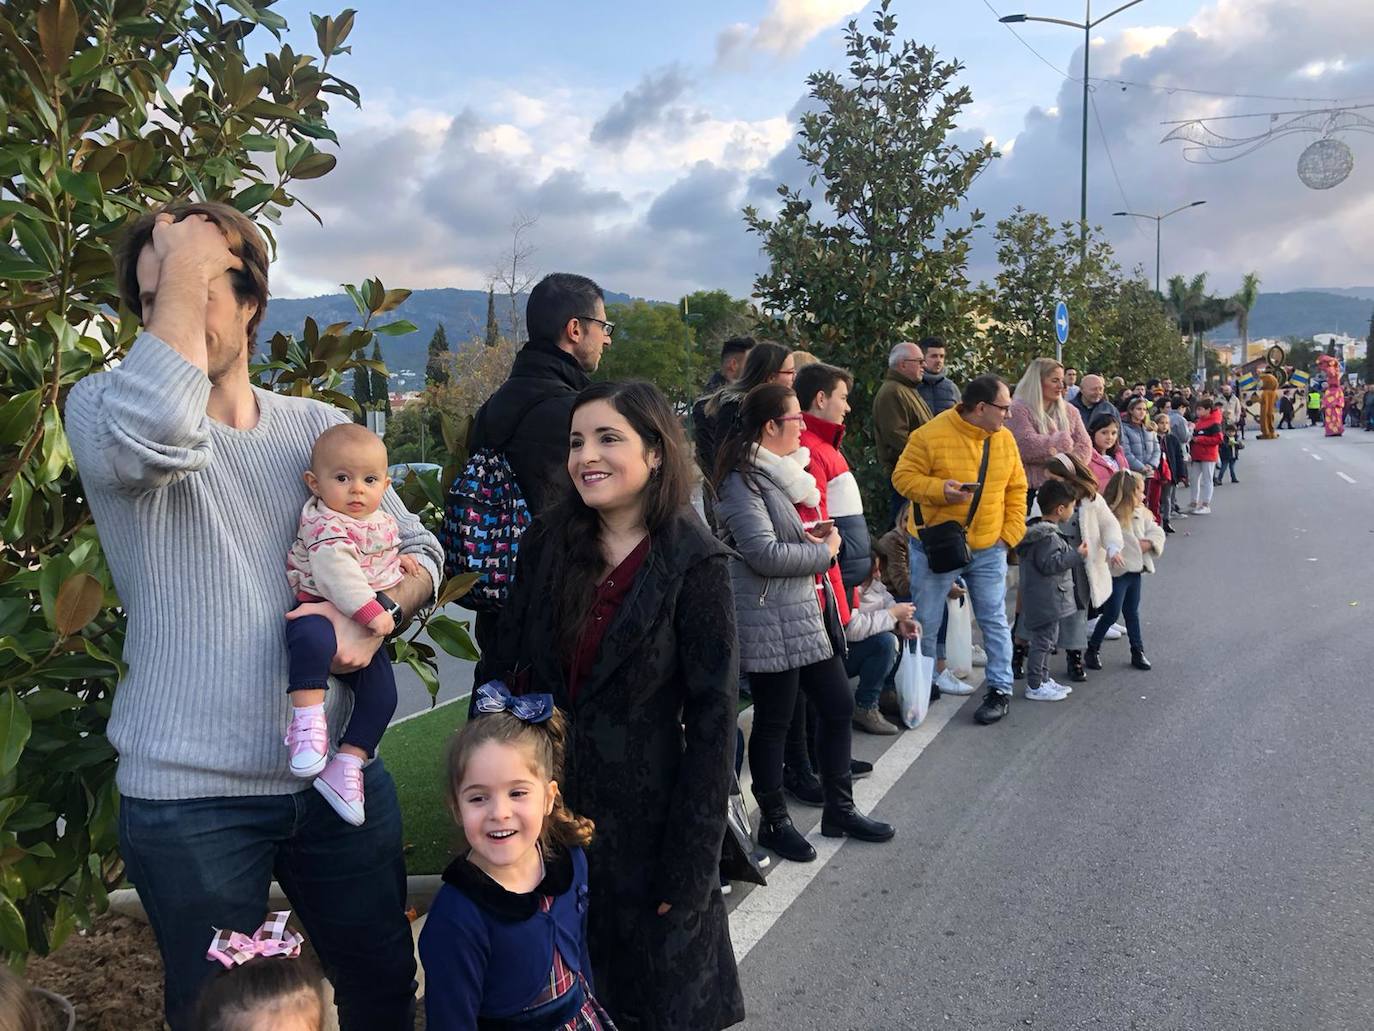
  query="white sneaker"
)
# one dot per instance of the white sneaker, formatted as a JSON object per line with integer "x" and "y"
{"x": 1204, "y": 510}
{"x": 1051, "y": 682}
{"x": 948, "y": 683}
{"x": 1114, "y": 632}
{"x": 980, "y": 657}
{"x": 1046, "y": 692}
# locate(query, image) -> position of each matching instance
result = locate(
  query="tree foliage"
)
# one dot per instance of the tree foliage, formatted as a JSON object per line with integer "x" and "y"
{"x": 653, "y": 343}
{"x": 94, "y": 137}
{"x": 881, "y": 253}
{"x": 435, "y": 370}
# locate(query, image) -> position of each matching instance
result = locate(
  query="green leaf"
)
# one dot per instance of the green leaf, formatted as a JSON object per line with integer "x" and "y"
{"x": 14, "y": 939}
{"x": 79, "y": 600}
{"x": 36, "y": 243}
{"x": 395, "y": 329}
{"x": 455, "y": 587}
{"x": 426, "y": 672}
{"x": 17, "y": 417}
{"x": 314, "y": 166}
{"x": 453, "y": 637}
{"x": 15, "y": 727}
{"x": 58, "y": 24}
{"x": 45, "y": 702}
{"x": 257, "y": 194}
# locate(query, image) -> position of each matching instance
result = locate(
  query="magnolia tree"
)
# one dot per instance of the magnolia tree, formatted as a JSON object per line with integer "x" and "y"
{"x": 111, "y": 108}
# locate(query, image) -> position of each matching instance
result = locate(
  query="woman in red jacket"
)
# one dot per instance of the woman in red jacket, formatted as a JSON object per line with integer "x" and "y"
{"x": 1205, "y": 450}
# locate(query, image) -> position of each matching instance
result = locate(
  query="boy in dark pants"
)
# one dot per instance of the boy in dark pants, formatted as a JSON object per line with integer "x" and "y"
{"x": 1047, "y": 562}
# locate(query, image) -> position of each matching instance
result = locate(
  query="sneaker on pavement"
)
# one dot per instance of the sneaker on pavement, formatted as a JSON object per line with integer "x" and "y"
{"x": 1204, "y": 510}
{"x": 341, "y": 784}
{"x": 1046, "y": 692}
{"x": 308, "y": 739}
{"x": 725, "y": 886}
{"x": 1051, "y": 682}
{"x": 871, "y": 721}
{"x": 980, "y": 657}
{"x": 1114, "y": 632}
{"x": 994, "y": 707}
{"x": 948, "y": 683}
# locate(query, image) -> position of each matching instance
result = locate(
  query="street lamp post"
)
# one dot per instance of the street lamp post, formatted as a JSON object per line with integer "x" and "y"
{"x": 1087, "y": 25}
{"x": 1157, "y": 220}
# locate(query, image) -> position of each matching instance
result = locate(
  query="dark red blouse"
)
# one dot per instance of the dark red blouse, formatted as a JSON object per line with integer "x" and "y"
{"x": 610, "y": 594}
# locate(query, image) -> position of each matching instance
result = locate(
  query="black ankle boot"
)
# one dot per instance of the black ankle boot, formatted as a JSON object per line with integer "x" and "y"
{"x": 800, "y": 781}
{"x": 840, "y": 818}
{"x": 1019, "y": 652}
{"x": 776, "y": 831}
{"x": 1091, "y": 659}
{"x": 1138, "y": 659}
{"x": 1076, "y": 671}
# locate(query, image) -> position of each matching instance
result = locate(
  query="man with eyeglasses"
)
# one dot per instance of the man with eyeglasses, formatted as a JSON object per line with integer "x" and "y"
{"x": 528, "y": 417}
{"x": 938, "y": 471}
{"x": 898, "y": 409}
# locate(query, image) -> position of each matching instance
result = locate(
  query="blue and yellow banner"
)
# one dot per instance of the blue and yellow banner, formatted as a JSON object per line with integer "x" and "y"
{"x": 1300, "y": 379}
{"x": 1247, "y": 383}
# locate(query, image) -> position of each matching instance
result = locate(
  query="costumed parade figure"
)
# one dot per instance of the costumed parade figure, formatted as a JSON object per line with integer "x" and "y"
{"x": 1269, "y": 395}
{"x": 1333, "y": 397}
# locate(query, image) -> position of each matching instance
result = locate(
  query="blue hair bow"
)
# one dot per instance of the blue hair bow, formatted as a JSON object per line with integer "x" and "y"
{"x": 531, "y": 708}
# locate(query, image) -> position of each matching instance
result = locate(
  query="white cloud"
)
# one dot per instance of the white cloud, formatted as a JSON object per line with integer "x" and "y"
{"x": 785, "y": 30}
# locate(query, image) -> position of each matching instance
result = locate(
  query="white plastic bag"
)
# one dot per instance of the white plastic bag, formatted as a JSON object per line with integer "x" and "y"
{"x": 914, "y": 675}
{"x": 959, "y": 638}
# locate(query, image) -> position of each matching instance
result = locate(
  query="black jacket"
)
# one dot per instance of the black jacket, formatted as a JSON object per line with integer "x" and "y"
{"x": 528, "y": 419}
{"x": 1178, "y": 461}
{"x": 649, "y": 760}
{"x": 938, "y": 392}
{"x": 1090, "y": 412}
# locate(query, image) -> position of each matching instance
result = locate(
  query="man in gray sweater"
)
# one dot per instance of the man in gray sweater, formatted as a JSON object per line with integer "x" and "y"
{"x": 194, "y": 477}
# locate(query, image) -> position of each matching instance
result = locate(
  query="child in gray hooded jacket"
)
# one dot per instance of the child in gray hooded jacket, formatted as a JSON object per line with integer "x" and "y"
{"x": 1047, "y": 595}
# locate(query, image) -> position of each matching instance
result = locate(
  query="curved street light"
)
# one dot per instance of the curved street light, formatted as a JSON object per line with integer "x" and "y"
{"x": 1157, "y": 220}
{"x": 1086, "y": 25}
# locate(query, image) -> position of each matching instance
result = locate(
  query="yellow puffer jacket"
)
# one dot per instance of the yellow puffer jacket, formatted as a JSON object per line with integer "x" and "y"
{"x": 951, "y": 448}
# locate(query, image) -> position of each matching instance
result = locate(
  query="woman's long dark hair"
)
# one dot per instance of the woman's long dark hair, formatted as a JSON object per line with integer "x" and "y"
{"x": 764, "y": 360}
{"x": 573, "y": 529}
{"x": 761, "y": 406}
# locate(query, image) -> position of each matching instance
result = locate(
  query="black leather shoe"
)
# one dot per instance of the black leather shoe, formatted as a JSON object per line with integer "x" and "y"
{"x": 841, "y": 819}
{"x": 1138, "y": 659}
{"x": 994, "y": 707}
{"x": 1019, "y": 652}
{"x": 1076, "y": 671}
{"x": 858, "y": 769}
{"x": 1091, "y": 659}
{"x": 776, "y": 831}
{"x": 803, "y": 785}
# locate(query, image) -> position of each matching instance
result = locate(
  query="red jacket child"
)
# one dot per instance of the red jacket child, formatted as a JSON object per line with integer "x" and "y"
{"x": 1207, "y": 433}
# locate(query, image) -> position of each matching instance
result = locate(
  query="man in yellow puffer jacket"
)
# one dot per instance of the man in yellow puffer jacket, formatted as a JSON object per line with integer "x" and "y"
{"x": 941, "y": 458}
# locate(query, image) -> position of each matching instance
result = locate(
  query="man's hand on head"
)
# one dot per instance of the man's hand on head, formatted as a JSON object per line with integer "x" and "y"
{"x": 195, "y": 244}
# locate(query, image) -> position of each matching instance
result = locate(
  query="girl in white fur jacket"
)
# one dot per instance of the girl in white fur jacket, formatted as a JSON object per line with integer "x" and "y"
{"x": 1093, "y": 523}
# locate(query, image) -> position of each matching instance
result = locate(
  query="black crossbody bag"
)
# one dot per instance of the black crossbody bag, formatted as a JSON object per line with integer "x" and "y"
{"x": 946, "y": 544}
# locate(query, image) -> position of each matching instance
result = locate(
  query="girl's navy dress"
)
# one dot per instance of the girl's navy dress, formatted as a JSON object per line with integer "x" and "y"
{"x": 496, "y": 960}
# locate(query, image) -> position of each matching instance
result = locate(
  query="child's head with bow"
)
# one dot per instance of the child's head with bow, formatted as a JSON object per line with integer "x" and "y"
{"x": 265, "y": 986}
{"x": 503, "y": 770}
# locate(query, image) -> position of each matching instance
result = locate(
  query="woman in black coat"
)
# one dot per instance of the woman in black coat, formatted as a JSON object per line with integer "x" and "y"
{"x": 622, "y": 609}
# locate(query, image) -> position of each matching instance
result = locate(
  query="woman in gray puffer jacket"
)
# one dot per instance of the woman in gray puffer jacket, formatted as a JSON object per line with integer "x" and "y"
{"x": 781, "y": 602}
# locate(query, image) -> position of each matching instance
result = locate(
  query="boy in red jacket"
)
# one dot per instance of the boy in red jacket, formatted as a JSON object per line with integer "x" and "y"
{"x": 1205, "y": 448}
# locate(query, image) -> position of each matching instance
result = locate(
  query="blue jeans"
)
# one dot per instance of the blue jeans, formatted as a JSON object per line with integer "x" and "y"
{"x": 1125, "y": 600}
{"x": 202, "y": 863}
{"x": 874, "y": 661}
{"x": 986, "y": 580}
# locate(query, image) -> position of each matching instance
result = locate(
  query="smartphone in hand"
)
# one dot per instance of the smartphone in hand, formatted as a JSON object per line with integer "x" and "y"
{"x": 821, "y": 528}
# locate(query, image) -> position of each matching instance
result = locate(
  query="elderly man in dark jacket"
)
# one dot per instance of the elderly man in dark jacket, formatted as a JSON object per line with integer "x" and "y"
{"x": 1092, "y": 400}
{"x": 528, "y": 417}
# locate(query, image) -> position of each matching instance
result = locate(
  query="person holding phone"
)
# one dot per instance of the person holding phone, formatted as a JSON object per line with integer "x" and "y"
{"x": 788, "y": 618}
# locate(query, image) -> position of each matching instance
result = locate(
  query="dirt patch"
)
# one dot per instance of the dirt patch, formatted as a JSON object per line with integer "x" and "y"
{"x": 113, "y": 975}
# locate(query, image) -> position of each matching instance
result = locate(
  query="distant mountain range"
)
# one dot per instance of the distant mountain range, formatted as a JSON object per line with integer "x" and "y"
{"x": 462, "y": 312}
{"x": 464, "y": 316}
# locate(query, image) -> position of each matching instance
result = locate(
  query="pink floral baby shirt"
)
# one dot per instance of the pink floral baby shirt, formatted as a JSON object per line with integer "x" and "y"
{"x": 344, "y": 560}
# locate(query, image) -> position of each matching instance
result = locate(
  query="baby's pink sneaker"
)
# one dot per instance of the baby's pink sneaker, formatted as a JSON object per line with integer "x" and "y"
{"x": 341, "y": 784}
{"x": 308, "y": 739}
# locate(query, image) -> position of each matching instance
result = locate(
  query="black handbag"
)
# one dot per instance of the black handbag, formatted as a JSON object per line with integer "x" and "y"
{"x": 946, "y": 544}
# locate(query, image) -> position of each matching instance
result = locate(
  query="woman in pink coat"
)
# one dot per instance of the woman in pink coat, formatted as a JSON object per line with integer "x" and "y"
{"x": 1044, "y": 423}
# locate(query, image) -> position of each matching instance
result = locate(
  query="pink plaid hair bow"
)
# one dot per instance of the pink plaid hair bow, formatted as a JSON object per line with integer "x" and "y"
{"x": 271, "y": 939}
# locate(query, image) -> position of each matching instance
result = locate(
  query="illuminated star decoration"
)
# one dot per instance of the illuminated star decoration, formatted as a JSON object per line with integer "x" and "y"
{"x": 1326, "y": 162}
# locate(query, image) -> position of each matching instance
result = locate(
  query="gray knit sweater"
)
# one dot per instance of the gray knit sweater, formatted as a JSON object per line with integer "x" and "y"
{"x": 195, "y": 518}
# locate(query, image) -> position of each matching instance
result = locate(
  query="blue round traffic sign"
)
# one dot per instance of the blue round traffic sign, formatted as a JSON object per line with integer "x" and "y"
{"x": 1061, "y": 321}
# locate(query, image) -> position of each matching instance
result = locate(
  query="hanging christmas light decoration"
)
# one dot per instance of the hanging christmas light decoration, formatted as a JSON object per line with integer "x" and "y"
{"x": 1325, "y": 163}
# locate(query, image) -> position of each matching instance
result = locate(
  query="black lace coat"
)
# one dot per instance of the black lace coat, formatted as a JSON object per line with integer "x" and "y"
{"x": 649, "y": 760}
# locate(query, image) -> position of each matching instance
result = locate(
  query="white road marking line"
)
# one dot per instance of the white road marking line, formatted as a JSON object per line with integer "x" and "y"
{"x": 1307, "y": 449}
{"x": 426, "y": 712}
{"x": 1346, "y": 478}
{"x": 1318, "y": 457}
{"x": 760, "y": 910}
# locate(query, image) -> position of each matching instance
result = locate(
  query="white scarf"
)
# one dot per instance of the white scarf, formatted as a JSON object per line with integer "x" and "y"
{"x": 789, "y": 473}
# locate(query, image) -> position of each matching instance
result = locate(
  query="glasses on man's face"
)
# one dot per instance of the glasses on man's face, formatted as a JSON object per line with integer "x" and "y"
{"x": 609, "y": 327}
{"x": 1004, "y": 409}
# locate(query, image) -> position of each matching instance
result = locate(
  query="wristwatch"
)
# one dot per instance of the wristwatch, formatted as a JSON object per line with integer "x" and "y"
{"x": 393, "y": 607}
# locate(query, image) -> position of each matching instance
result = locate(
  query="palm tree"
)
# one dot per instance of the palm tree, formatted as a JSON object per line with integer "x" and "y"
{"x": 1245, "y": 299}
{"x": 1197, "y": 311}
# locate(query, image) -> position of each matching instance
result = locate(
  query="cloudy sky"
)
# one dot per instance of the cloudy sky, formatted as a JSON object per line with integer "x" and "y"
{"x": 636, "y": 132}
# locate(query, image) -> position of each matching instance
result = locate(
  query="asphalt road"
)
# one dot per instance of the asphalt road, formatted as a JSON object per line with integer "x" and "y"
{"x": 1188, "y": 848}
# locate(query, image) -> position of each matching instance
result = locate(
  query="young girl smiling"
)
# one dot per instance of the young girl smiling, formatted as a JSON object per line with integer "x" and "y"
{"x": 505, "y": 941}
